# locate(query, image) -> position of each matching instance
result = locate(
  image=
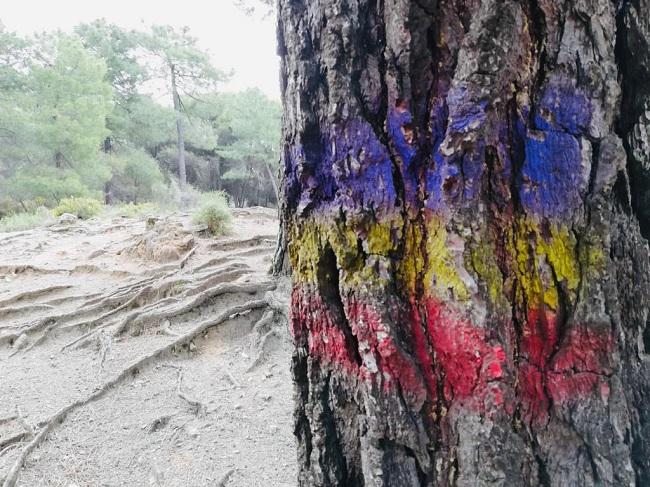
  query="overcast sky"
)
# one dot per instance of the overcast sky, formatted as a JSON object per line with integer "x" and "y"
{"x": 235, "y": 40}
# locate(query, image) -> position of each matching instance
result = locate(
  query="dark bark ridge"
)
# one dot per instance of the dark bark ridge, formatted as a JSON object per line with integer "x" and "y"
{"x": 465, "y": 203}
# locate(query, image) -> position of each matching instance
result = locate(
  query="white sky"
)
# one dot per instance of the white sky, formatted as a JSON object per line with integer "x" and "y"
{"x": 235, "y": 40}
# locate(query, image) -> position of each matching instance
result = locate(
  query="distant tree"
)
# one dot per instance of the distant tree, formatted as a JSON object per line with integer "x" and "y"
{"x": 253, "y": 121}
{"x": 55, "y": 104}
{"x": 187, "y": 69}
{"x": 124, "y": 71}
{"x": 14, "y": 124}
{"x": 118, "y": 48}
{"x": 135, "y": 175}
{"x": 70, "y": 102}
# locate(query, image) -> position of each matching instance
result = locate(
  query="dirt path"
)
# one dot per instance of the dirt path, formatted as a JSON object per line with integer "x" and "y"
{"x": 137, "y": 352}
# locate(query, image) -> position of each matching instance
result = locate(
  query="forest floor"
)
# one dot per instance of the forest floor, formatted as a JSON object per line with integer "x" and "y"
{"x": 142, "y": 352}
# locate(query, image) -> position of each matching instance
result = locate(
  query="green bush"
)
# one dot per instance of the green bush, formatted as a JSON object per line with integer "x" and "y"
{"x": 44, "y": 186}
{"x": 81, "y": 207}
{"x": 131, "y": 210}
{"x": 214, "y": 212}
{"x": 26, "y": 221}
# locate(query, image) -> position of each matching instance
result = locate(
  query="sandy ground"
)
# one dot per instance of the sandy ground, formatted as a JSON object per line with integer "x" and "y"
{"x": 139, "y": 352}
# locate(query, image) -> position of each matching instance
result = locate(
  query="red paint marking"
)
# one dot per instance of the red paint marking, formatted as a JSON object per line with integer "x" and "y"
{"x": 577, "y": 369}
{"x": 422, "y": 351}
{"x": 471, "y": 367}
{"x": 311, "y": 320}
{"x": 380, "y": 348}
{"x": 463, "y": 352}
{"x": 539, "y": 337}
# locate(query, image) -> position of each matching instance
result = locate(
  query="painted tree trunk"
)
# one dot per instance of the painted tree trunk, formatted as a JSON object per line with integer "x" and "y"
{"x": 466, "y": 188}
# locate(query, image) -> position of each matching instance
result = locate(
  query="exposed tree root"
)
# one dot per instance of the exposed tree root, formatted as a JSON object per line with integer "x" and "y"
{"x": 224, "y": 480}
{"x": 197, "y": 406}
{"x": 261, "y": 356}
{"x": 214, "y": 280}
{"x": 31, "y": 294}
{"x": 256, "y": 241}
{"x": 187, "y": 257}
{"x": 67, "y": 299}
{"x": 261, "y": 326}
{"x": 60, "y": 416}
{"x": 6, "y": 312}
{"x": 8, "y": 419}
{"x": 276, "y": 304}
{"x": 156, "y": 315}
{"x": 212, "y": 262}
{"x": 140, "y": 298}
{"x": 89, "y": 336}
{"x": 134, "y": 295}
{"x": 15, "y": 438}
{"x": 21, "y": 268}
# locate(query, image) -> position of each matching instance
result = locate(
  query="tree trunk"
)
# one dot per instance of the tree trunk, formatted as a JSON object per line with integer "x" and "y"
{"x": 274, "y": 183}
{"x": 217, "y": 163}
{"x": 471, "y": 281}
{"x": 180, "y": 129}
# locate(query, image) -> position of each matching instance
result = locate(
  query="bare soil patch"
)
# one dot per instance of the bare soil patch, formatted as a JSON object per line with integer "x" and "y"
{"x": 144, "y": 352}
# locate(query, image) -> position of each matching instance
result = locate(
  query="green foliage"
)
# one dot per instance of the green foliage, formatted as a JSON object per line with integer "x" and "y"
{"x": 26, "y": 221}
{"x": 83, "y": 208}
{"x": 35, "y": 186}
{"x": 147, "y": 125}
{"x": 177, "y": 52}
{"x": 117, "y": 47}
{"x": 135, "y": 173}
{"x": 131, "y": 210}
{"x": 70, "y": 102}
{"x": 234, "y": 175}
{"x": 214, "y": 212}
{"x": 254, "y": 122}
{"x": 77, "y": 120}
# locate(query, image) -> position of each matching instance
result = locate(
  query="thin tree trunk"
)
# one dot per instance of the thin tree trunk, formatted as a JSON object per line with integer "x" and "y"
{"x": 274, "y": 183}
{"x": 218, "y": 168}
{"x": 471, "y": 282}
{"x": 180, "y": 129}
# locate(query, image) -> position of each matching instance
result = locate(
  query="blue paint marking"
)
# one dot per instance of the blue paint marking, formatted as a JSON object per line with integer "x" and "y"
{"x": 563, "y": 108}
{"x": 551, "y": 175}
{"x": 397, "y": 120}
{"x": 362, "y": 167}
{"x": 465, "y": 113}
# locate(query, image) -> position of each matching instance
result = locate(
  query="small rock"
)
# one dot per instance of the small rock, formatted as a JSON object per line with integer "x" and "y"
{"x": 237, "y": 406}
{"x": 67, "y": 218}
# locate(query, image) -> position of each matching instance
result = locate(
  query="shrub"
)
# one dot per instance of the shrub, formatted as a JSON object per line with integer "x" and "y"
{"x": 81, "y": 207}
{"x": 26, "y": 221}
{"x": 214, "y": 212}
{"x": 36, "y": 186}
{"x": 131, "y": 210}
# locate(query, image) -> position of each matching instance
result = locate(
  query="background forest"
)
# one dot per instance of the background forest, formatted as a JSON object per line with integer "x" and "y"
{"x": 103, "y": 114}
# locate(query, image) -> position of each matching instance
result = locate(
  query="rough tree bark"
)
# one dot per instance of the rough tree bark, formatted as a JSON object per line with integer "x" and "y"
{"x": 466, "y": 188}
